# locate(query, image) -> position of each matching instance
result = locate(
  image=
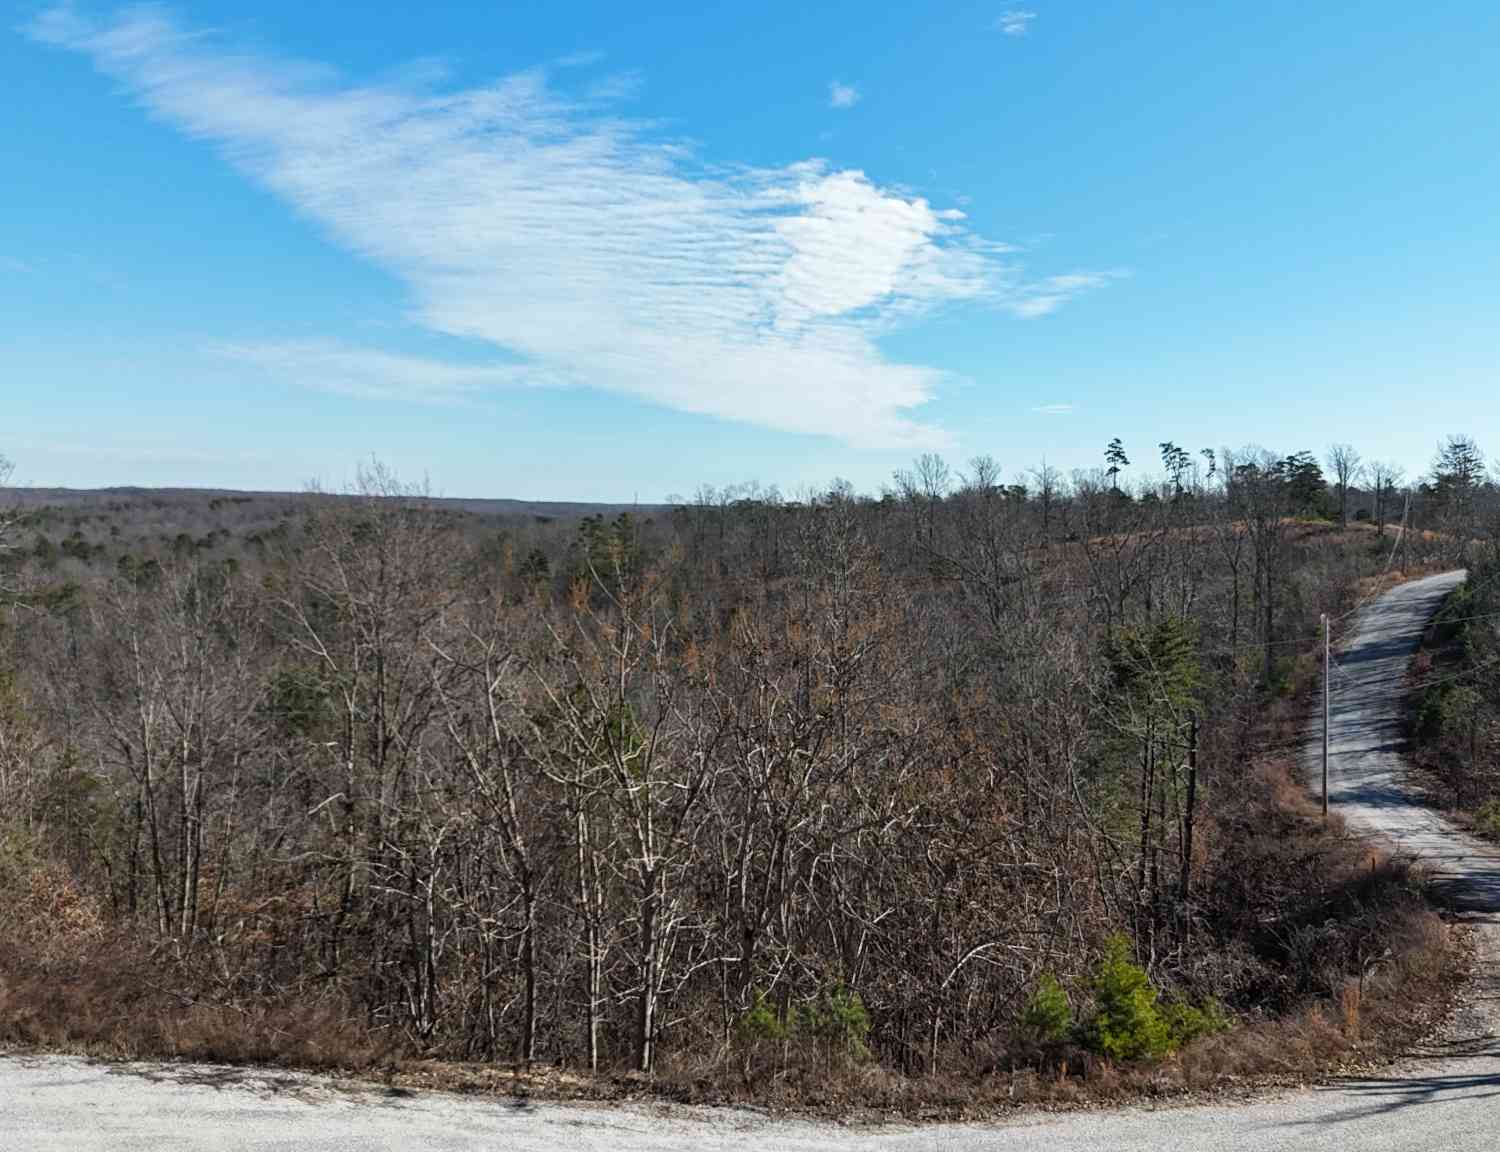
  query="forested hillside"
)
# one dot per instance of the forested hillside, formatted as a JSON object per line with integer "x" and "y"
{"x": 1455, "y": 686}
{"x": 917, "y": 780}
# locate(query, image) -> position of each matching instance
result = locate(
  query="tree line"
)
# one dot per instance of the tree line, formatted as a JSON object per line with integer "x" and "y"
{"x": 646, "y": 793}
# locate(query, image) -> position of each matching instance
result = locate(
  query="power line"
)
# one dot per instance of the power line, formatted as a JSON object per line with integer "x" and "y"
{"x": 1316, "y": 637}
{"x": 1440, "y": 619}
{"x": 1258, "y": 645}
{"x": 1389, "y": 560}
{"x": 1434, "y": 681}
{"x": 1327, "y": 692}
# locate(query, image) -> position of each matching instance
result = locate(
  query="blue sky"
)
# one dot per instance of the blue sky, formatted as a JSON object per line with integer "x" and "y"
{"x": 562, "y": 251}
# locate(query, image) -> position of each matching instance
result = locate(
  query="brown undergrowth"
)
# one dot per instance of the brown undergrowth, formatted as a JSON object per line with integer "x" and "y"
{"x": 1349, "y": 966}
{"x": 74, "y": 980}
{"x": 1326, "y": 956}
{"x": 1355, "y": 967}
{"x": 1372, "y": 586}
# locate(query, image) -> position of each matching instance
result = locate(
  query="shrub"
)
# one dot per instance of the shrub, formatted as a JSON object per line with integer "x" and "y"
{"x": 832, "y": 1028}
{"x": 1048, "y": 1017}
{"x": 759, "y": 1021}
{"x": 838, "y": 1018}
{"x": 1187, "y": 1022}
{"x": 1431, "y": 712}
{"x": 1285, "y": 682}
{"x": 1487, "y": 819}
{"x": 1126, "y": 1024}
{"x": 1130, "y": 1022}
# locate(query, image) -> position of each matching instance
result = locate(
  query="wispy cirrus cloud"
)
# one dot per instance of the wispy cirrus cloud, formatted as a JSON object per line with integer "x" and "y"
{"x": 353, "y": 371}
{"x": 588, "y": 247}
{"x": 842, "y": 95}
{"x": 1015, "y": 22}
{"x": 581, "y": 59}
{"x": 1054, "y": 409}
{"x": 1050, "y": 293}
{"x": 140, "y": 453}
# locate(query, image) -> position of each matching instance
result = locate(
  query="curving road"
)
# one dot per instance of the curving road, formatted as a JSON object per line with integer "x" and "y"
{"x": 57, "y": 1103}
{"x": 1367, "y": 782}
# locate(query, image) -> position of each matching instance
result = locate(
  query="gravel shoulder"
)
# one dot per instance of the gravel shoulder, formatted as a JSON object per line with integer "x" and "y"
{"x": 56, "y": 1103}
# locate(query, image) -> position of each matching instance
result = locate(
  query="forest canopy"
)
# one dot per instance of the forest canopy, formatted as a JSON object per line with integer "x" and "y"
{"x": 916, "y": 778}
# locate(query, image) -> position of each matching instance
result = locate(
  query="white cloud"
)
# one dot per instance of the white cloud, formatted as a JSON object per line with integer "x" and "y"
{"x": 1054, "y": 409}
{"x": 335, "y": 367}
{"x": 1051, "y": 293}
{"x": 141, "y": 453}
{"x": 1015, "y": 22}
{"x": 842, "y": 95}
{"x": 588, "y": 248}
{"x": 582, "y": 59}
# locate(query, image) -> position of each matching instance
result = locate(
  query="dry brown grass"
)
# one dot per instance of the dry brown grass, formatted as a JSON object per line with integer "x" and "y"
{"x": 1372, "y": 586}
{"x": 111, "y": 999}
{"x": 1380, "y": 975}
{"x": 121, "y": 1004}
{"x": 1353, "y": 966}
{"x": 69, "y": 982}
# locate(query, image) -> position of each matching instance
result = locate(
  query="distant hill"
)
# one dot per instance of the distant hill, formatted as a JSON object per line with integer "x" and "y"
{"x": 70, "y": 530}
{"x": 117, "y": 499}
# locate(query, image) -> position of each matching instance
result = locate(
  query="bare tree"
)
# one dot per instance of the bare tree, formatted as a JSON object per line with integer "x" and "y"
{"x": 921, "y": 490}
{"x": 1453, "y": 486}
{"x": 355, "y": 603}
{"x": 636, "y": 741}
{"x": 1258, "y": 489}
{"x": 8, "y": 518}
{"x": 761, "y": 784}
{"x": 1385, "y": 480}
{"x": 1345, "y": 464}
{"x": 1048, "y": 489}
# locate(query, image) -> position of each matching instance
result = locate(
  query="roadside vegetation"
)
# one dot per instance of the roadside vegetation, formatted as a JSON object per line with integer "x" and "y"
{"x": 1455, "y": 680}
{"x": 970, "y": 792}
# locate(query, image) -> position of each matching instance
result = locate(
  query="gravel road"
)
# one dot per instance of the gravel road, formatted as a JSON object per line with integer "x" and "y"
{"x": 57, "y": 1103}
{"x": 1367, "y": 781}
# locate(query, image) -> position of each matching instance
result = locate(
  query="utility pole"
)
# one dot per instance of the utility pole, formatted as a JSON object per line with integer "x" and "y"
{"x": 1191, "y": 809}
{"x": 1327, "y": 679}
{"x": 1405, "y": 550}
